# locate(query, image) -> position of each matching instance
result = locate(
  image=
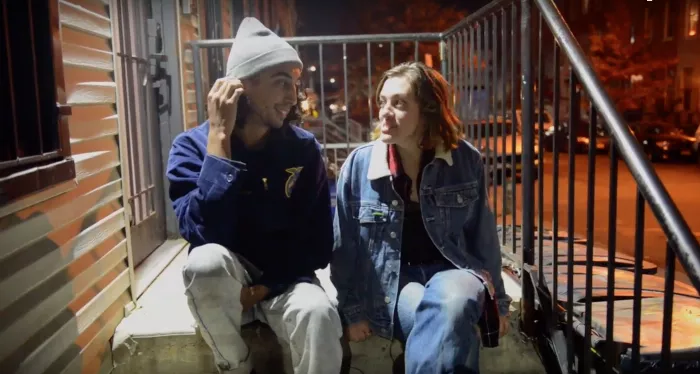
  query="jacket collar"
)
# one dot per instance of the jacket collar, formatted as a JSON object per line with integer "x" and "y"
{"x": 379, "y": 166}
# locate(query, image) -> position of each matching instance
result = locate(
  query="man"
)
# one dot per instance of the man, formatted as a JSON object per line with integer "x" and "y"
{"x": 251, "y": 195}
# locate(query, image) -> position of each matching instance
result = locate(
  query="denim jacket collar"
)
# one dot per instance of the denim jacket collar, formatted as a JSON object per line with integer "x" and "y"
{"x": 379, "y": 166}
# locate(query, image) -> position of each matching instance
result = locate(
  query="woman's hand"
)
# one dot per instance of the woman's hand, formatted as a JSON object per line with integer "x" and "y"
{"x": 359, "y": 331}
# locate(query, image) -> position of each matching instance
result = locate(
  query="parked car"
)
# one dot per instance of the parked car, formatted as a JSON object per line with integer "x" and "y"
{"x": 500, "y": 157}
{"x": 547, "y": 121}
{"x": 662, "y": 141}
{"x": 582, "y": 141}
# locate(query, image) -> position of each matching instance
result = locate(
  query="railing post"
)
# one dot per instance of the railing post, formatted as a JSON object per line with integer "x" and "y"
{"x": 443, "y": 57}
{"x": 197, "y": 65}
{"x": 527, "y": 124}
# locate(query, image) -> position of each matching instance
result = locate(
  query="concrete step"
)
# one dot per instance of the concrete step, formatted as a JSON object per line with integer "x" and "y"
{"x": 160, "y": 336}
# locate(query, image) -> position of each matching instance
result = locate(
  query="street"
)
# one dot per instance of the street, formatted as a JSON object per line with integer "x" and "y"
{"x": 681, "y": 180}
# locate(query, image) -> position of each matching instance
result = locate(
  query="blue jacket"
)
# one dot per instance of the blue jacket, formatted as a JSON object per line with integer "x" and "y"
{"x": 367, "y": 255}
{"x": 270, "y": 206}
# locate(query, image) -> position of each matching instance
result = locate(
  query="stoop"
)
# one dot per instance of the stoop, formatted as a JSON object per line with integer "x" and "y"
{"x": 160, "y": 336}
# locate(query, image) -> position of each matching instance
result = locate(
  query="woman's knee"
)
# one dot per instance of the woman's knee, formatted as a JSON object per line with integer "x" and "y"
{"x": 459, "y": 294}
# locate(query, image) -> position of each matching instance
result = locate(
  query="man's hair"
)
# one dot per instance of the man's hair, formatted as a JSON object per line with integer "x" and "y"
{"x": 244, "y": 109}
{"x": 433, "y": 95}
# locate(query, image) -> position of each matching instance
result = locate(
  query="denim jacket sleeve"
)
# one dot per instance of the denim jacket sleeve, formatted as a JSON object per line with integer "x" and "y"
{"x": 483, "y": 235}
{"x": 344, "y": 261}
{"x": 203, "y": 191}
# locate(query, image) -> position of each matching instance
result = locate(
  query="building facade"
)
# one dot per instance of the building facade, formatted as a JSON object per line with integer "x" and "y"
{"x": 671, "y": 27}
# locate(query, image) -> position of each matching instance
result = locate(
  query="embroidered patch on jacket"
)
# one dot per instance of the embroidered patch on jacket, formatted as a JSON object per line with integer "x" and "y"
{"x": 291, "y": 180}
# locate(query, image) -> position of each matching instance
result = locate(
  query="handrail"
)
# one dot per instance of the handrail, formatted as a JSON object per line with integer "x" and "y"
{"x": 334, "y": 39}
{"x": 481, "y": 12}
{"x": 679, "y": 234}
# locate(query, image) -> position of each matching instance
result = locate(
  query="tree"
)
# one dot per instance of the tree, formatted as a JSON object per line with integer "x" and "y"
{"x": 629, "y": 69}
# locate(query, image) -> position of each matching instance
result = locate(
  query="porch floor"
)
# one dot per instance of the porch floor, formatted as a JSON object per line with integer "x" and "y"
{"x": 160, "y": 336}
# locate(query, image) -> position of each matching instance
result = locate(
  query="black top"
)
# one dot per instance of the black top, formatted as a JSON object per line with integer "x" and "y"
{"x": 416, "y": 246}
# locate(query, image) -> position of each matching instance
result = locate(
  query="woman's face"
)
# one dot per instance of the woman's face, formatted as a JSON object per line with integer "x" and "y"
{"x": 399, "y": 114}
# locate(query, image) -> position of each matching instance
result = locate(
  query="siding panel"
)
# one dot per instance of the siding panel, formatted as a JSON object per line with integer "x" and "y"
{"x": 64, "y": 277}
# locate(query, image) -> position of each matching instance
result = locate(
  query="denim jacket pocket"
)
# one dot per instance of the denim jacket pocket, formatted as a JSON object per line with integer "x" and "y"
{"x": 457, "y": 196}
{"x": 371, "y": 219}
{"x": 456, "y": 203}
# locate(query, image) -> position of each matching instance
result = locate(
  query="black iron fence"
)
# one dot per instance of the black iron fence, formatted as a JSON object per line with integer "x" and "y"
{"x": 502, "y": 52}
{"x": 520, "y": 81}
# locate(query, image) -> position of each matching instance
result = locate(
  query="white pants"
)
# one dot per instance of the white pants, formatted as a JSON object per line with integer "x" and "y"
{"x": 303, "y": 316}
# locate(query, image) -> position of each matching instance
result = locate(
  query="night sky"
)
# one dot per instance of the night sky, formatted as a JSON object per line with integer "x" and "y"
{"x": 321, "y": 17}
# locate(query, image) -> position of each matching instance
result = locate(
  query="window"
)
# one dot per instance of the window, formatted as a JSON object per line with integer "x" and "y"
{"x": 669, "y": 22}
{"x": 687, "y": 87}
{"x": 693, "y": 18}
{"x": 34, "y": 141}
{"x": 648, "y": 29}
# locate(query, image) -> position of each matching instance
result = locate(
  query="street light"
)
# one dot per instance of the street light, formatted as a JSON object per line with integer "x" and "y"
{"x": 332, "y": 80}
{"x": 311, "y": 69}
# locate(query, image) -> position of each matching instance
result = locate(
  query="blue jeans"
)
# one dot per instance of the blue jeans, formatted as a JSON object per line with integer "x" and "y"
{"x": 436, "y": 318}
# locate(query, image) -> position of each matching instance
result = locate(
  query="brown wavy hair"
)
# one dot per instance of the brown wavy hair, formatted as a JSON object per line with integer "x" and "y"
{"x": 433, "y": 94}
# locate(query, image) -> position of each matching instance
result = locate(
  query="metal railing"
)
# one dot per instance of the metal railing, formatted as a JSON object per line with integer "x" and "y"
{"x": 492, "y": 52}
{"x": 332, "y": 53}
{"x": 488, "y": 59}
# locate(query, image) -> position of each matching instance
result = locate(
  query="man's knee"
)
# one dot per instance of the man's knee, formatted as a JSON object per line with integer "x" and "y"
{"x": 206, "y": 261}
{"x": 314, "y": 307}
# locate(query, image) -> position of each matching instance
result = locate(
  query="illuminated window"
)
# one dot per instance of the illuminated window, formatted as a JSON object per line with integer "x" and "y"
{"x": 693, "y": 17}
{"x": 585, "y": 4}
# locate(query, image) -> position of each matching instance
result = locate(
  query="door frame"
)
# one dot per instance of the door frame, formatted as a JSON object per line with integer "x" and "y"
{"x": 171, "y": 49}
{"x": 146, "y": 201}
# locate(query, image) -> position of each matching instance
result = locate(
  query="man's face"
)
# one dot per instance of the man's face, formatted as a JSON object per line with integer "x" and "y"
{"x": 273, "y": 93}
{"x": 399, "y": 114}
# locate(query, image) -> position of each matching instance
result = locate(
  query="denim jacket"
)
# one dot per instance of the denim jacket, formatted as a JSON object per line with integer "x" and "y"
{"x": 369, "y": 217}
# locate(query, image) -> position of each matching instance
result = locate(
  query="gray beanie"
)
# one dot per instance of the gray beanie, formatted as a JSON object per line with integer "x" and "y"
{"x": 257, "y": 48}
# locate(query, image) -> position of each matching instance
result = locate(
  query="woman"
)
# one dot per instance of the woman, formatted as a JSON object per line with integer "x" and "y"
{"x": 416, "y": 250}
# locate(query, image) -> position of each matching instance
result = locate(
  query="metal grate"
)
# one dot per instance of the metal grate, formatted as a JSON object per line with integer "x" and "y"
{"x": 29, "y": 113}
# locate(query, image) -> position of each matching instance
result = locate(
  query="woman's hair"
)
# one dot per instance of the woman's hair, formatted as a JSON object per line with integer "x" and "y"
{"x": 433, "y": 95}
{"x": 294, "y": 116}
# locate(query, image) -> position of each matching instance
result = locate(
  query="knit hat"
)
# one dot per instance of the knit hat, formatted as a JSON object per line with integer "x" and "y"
{"x": 257, "y": 48}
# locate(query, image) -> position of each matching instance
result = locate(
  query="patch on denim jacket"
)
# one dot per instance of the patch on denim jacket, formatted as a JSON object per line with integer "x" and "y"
{"x": 291, "y": 180}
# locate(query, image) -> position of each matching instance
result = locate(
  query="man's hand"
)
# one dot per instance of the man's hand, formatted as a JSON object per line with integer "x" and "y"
{"x": 359, "y": 331}
{"x": 222, "y": 105}
{"x": 503, "y": 326}
{"x": 252, "y": 295}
